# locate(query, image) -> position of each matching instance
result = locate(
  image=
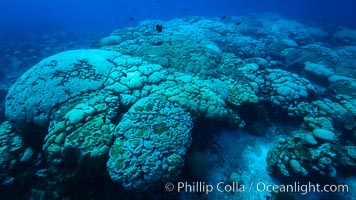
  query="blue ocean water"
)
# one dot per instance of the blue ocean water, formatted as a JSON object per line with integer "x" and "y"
{"x": 111, "y": 14}
{"x": 177, "y": 99}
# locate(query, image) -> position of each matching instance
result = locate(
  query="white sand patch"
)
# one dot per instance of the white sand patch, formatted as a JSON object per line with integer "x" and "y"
{"x": 244, "y": 155}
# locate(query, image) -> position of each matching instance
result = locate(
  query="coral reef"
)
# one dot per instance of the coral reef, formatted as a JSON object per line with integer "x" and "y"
{"x": 305, "y": 155}
{"x": 151, "y": 141}
{"x": 126, "y": 112}
{"x": 15, "y": 157}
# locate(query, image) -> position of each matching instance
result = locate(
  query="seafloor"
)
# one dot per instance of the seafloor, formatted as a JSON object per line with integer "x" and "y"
{"x": 175, "y": 109}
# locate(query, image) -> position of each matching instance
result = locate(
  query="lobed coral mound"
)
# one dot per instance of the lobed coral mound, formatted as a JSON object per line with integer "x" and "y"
{"x": 150, "y": 144}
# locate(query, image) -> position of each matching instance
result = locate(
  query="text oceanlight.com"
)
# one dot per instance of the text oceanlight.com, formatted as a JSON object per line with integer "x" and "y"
{"x": 297, "y": 187}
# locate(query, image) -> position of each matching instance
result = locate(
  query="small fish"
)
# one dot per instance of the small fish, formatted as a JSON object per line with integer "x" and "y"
{"x": 184, "y": 10}
{"x": 157, "y": 43}
{"x": 159, "y": 28}
{"x": 223, "y": 17}
{"x": 131, "y": 19}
